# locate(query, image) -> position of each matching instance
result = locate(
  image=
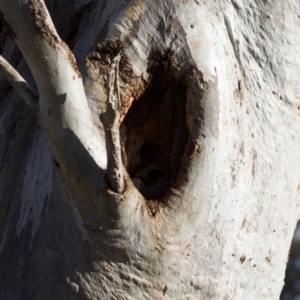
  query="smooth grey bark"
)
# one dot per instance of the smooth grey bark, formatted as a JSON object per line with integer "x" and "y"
{"x": 215, "y": 86}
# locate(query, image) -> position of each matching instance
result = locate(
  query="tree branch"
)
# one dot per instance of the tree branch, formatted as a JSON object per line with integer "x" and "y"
{"x": 71, "y": 130}
{"x": 111, "y": 120}
{"x": 18, "y": 83}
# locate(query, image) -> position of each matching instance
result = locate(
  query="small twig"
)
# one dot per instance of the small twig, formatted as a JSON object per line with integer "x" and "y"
{"x": 110, "y": 120}
{"x": 18, "y": 83}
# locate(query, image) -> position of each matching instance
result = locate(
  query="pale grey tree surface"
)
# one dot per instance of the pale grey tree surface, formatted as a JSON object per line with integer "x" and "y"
{"x": 160, "y": 161}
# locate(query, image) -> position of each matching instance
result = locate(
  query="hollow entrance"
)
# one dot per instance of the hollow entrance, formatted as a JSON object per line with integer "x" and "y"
{"x": 154, "y": 135}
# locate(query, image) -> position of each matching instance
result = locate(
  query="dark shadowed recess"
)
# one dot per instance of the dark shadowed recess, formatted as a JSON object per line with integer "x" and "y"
{"x": 154, "y": 132}
{"x": 2, "y": 40}
{"x": 291, "y": 288}
{"x": 73, "y": 25}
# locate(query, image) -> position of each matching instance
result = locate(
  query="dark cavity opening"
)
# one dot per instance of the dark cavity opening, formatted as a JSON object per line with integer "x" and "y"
{"x": 154, "y": 134}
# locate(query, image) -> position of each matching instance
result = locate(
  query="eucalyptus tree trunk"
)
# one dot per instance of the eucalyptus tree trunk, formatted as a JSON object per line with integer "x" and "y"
{"x": 156, "y": 153}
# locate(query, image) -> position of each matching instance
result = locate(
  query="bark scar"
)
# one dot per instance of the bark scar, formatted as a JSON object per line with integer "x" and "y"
{"x": 111, "y": 120}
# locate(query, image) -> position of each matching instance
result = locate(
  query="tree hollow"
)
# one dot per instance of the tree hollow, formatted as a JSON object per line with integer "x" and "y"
{"x": 154, "y": 134}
